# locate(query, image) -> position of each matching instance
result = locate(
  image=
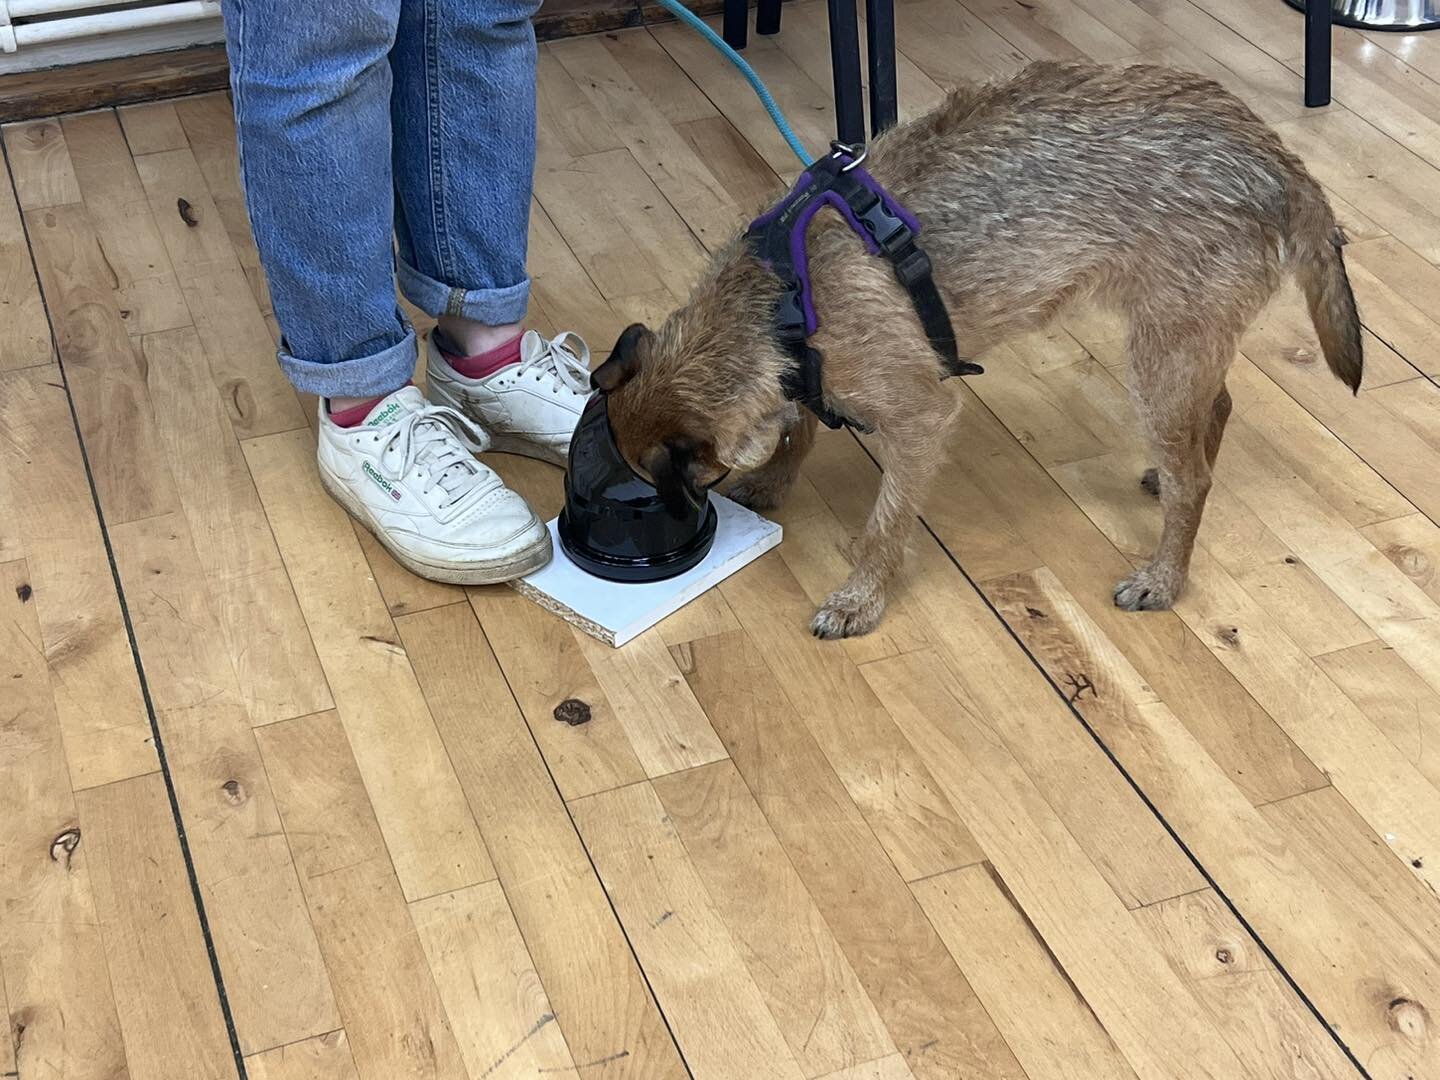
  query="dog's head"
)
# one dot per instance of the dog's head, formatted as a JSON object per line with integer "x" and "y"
{"x": 685, "y": 411}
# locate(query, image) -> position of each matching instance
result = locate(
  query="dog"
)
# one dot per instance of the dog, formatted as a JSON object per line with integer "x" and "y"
{"x": 1151, "y": 191}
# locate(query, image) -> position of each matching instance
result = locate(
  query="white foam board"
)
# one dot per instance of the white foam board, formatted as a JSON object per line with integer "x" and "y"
{"x": 614, "y": 612}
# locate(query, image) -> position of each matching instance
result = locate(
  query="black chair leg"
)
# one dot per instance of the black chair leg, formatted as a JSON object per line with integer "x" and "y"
{"x": 767, "y": 17}
{"x": 1317, "y": 53}
{"x": 735, "y": 23}
{"x": 880, "y": 48}
{"x": 845, "y": 60}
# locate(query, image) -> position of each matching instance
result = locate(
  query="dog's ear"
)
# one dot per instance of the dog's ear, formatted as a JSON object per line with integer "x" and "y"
{"x": 624, "y": 359}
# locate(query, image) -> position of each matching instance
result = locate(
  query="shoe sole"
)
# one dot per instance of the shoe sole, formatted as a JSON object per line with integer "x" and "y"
{"x": 484, "y": 572}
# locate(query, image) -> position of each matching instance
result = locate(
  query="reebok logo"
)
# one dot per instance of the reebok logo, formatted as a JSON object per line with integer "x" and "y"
{"x": 385, "y": 485}
{"x": 384, "y": 416}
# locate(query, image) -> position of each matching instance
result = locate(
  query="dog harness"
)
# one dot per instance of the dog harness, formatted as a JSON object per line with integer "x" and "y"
{"x": 777, "y": 238}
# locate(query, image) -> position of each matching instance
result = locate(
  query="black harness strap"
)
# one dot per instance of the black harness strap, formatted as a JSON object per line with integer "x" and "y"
{"x": 778, "y": 239}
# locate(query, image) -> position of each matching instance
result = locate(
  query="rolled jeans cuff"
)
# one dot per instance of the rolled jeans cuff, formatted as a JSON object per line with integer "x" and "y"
{"x": 493, "y": 307}
{"x": 375, "y": 375}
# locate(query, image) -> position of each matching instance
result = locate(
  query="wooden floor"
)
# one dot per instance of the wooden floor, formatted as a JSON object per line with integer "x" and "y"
{"x": 270, "y": 806}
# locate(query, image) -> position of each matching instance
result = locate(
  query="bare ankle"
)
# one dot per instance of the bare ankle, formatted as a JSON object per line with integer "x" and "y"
{"x": 473, "y": 338}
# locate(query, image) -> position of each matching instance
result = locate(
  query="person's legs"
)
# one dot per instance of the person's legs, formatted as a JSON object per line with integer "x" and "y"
{"x": 464, "y": 158}
{"x": 312, "y": 110}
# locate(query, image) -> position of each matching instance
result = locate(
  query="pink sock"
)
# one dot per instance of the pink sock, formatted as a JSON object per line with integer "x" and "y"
{"x": 356, "y": 414}
{"x": 486, "y": 363}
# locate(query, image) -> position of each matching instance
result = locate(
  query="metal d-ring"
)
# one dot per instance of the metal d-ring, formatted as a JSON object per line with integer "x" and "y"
{"x": 856, "y": 154}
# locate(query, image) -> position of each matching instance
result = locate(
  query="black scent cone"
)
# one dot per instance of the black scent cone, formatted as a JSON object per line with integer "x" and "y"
{"x": 615, "y": 524}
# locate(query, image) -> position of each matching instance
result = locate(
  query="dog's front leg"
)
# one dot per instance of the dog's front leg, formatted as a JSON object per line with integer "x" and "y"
{"x": 910, "y": 450}
{"x": 765, "y": 488}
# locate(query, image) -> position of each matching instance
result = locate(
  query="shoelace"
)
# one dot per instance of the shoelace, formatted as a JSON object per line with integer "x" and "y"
{"x": 441, "y": 442}
{"x": 557, "y": 358}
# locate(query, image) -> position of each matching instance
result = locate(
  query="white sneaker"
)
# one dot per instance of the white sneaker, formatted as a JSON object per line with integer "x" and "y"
{"x": 409, "y": 475}
{"x": 529, "y": 408}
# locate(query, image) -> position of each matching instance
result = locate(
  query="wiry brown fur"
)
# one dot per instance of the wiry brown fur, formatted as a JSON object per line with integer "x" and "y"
{"x": 1153, "y": 191}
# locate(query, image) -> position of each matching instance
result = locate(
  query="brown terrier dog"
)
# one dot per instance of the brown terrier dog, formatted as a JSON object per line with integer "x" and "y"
{"x": 1153, "y": 191}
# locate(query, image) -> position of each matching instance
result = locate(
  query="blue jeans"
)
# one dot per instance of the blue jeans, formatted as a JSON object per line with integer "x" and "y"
{"x": 368, "y": 126}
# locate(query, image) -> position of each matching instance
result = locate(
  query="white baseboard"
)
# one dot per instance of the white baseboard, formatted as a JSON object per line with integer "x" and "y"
{"x": 109, "y": 46}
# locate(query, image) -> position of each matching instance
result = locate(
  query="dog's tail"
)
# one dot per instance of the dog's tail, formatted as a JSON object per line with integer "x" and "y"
{"x": 1319, "y": 266}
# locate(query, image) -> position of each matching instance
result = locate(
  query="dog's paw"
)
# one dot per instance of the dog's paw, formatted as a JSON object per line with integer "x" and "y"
{"x": 1148, "y": 589}
{"x": 759, "y": 497}
{"x": 847, "y": 614}
{"x": 1150, "y": 481}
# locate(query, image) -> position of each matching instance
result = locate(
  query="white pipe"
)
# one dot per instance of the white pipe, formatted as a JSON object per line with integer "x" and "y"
{"x": 112, "y": 21}
{"x": 25, "y": 9}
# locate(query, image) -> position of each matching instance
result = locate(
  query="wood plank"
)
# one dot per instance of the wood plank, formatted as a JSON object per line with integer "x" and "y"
{"x": 324, "y": 1057}
{"x": 889, "y": 782}
{"x": 928, "y": 1008}
{"x": 40, "y": 164}
{"x": 1394, "y": 698}
{"x": 97, "y": 694}
{"x": 1247, "y": 858}
{"x": 164, "y": 990}
{"x": 102, "y": 369}
{"x": 102, "y": 83}
{"x": 790, "y": 952}
{"x": 1384, "y": 180}
{"x": 1270, "y": 1029}
{"x": 1131, "y": 989}
{"x": 501, "y": 1016}
{"x": 395, "y": 1022}
{"x": 1323, "y": 723}
{"x": 1040, "y": 1013}
{"x": 428, "y": 828}
{"x": 226, "y": 315}
{"x": 1401, "y": 462}
{"x": 1395, "y": 286}
{"x": 544, "y": 665}
{"x": 1400, "y": 914}
{"x": 274, "y": 976}
{"x": 717, "y": 1013}
{"x": 152, "y": 127}
{"x": 1236, "y": 732}
{"x": 952, "y": 45}
{"x": 581, "y": 956}
{"x": 563, "y": 287}
{"x": 662, "y": 719}
{"x": 209, "y": 123}
{"x": 679, "y": 100}
{"x": 1413, "y": 544}
{"x": 51, "y": 955}
{"x": 24, "y": 329}
{"x": 751, "y": 182}
{"x": 146, "y": 289}
{"x": 891, "y": 1067}
{"x": 681, "y": 176}
{"x": 1058, "y": 30}
{"x": 806, "y": 105}
{"x": 268, "y": 642}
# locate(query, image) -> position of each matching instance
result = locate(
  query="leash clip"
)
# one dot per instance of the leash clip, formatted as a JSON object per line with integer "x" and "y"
{"x": 856, "y": 154}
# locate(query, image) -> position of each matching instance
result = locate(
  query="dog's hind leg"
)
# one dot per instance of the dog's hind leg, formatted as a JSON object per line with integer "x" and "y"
{"x": 765, "y": 488}
{"x": 910, "y": 451}
{"x": 1178, "y": 378}
{"x": 1219, "y": 414}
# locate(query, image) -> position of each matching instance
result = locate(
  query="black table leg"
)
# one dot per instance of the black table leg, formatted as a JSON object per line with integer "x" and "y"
{"x": 735, "y": 23}
{"x": 845, "y": 60}
{"x": 767, "y": 17}
{"x": 1317, "y": 53}
{"x": 880, "y": 48}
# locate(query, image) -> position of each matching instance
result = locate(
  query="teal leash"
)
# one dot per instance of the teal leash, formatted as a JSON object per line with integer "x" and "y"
{"x": 685, "y": 15}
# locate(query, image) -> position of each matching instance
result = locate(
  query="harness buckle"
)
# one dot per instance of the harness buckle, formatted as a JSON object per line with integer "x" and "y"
{"x": 911, "y": 266}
